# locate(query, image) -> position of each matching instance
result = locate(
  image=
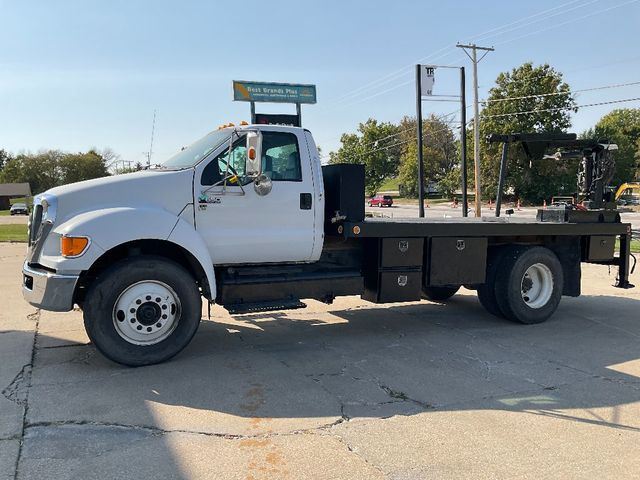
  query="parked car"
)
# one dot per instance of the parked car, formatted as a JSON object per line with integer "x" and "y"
{"x": 19, "y": 209}
{"x": 381, "y": 201}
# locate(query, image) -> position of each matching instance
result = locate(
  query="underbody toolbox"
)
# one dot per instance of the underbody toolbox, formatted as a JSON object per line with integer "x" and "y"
{"x": 394, "y": 270}
{"x": 456, "y": 261}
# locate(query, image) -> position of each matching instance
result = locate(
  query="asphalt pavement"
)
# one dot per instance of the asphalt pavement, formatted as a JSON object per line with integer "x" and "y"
{"x": 347, "y": 391}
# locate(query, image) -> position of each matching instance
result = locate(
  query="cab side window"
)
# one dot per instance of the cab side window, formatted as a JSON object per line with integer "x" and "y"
{"x": 215, "y": 171}
{"x": 281, "y": 157}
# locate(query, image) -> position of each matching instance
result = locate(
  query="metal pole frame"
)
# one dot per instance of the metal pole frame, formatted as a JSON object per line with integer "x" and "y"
{"x": 419, "y": 134}
{"x": 503, "y": 174}
{"x": 299, "y": 114}
{"x": 463, "y": 142}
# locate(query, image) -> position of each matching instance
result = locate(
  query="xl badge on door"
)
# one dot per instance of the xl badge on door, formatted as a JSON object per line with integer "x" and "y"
{"x": 204, "y": 198}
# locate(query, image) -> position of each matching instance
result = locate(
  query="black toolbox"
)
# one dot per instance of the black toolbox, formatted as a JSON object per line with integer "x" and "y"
{"x": 456, "y": 261}
{"x": 394, "y": 269}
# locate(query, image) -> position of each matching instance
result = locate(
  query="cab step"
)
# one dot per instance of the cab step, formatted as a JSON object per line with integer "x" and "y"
{"x": 255, "y": 307}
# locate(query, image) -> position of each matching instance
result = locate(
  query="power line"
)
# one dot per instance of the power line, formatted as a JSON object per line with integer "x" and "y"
{"x": 445, "y": 51}
{"x": 482, "y": 35}
{"x": 542, "y": 19}
{"x": 582, "y": 90}
{"x": 611, "y": 102}
{"x": 368, "y": 152}
{"x": 568, "y": 21}
{"x": 604, "y": 87}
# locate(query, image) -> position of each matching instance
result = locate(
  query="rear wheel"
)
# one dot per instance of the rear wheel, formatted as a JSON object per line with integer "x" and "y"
{"x": 142, "y": 311}
{"x": 439, "y": 294}
{"x": 487, "y": 291}
{"x": 528, "y": 286}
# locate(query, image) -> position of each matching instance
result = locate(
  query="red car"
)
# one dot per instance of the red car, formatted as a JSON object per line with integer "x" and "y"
{"x": 381, "y": 201}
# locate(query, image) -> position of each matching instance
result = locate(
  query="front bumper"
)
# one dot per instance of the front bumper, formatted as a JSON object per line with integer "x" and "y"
{"x": 47, "y": 290}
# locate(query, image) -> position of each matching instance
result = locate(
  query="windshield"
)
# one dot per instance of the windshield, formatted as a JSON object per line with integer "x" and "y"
{"x": 198, "y": 150}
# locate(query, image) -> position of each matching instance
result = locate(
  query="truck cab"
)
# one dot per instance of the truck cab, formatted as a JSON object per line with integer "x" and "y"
{"x": 242, "y": 224}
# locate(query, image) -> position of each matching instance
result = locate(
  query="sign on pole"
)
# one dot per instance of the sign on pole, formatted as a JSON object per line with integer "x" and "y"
{"x": 427, "y": 79}
{"x": 273, "y": 92}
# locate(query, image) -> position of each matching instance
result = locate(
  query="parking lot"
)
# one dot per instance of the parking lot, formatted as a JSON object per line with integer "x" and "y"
{"x": 351, "y": 390}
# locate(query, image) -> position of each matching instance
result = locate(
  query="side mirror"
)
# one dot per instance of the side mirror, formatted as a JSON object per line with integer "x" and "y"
{"x": 262, "y": 184}
{"x": 254, "y": 153}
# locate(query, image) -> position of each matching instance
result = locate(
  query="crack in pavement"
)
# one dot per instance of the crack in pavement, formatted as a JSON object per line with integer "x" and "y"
{"x": 16, "y": 391}
{"x": 25, "y": 380}
{"x": 355, "y": 452}
{"x": 154, "y": 430}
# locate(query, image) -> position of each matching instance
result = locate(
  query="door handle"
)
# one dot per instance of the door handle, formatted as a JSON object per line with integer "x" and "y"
{"x": 306, "y": 201}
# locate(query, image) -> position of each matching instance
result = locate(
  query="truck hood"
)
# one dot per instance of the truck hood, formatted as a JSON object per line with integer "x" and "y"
{"x": 169, "y": 190}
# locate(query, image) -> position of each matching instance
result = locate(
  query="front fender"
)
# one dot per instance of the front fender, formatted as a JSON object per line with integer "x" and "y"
{"x": 186, "y": 236}
{"x": 106, "y": 228}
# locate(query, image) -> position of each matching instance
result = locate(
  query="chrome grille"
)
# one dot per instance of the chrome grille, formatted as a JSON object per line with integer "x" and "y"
{"x": 34, "y": 223}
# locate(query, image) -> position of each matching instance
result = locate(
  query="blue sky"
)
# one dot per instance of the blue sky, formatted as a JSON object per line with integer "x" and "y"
{"x": 78, "y": 74}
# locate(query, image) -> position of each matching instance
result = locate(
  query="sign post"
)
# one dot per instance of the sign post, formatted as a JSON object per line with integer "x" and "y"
{"x": 247, "y": 91}
{"x": 419, "y": 134}
{"x": 425, "y": 79}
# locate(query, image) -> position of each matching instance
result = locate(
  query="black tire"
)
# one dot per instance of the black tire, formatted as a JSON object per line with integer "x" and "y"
{"x": 487, "y": 291}
{"x": 100, "y": 317}
{"x": 439, "y": 294}
{"x": 510, "y": 281}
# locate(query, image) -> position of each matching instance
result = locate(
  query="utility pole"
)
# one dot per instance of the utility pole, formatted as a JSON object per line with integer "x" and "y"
{"x": 476, "y": 115}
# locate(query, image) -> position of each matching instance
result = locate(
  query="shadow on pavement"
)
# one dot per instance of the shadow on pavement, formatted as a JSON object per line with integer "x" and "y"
{"x": 260, "y": 375}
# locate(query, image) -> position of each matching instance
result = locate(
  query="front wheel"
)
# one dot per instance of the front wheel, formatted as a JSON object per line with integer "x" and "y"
{"x": 142, "y": 311}
{"x": 528, "y": 285}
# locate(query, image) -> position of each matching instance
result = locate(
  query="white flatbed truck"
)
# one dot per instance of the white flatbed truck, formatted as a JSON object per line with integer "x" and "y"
{"x": 247, "y": 217}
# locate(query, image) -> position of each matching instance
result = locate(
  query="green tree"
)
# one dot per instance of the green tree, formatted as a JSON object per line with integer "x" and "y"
{"x": 50, "y": 168}
{"x": 4, "y": 158}
{"x": 76, "y": 167}
{"x": 622, "y": 127}
{"x": 637, "y": 157}
{"x": 439, "y": 153}
{"x": 529, "y": 99}
{"x": 376, "y": 147}
{"x": 40, "y": 170}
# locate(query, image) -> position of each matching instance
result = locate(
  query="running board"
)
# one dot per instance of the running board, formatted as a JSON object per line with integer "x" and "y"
{"x": 255, "y": 307}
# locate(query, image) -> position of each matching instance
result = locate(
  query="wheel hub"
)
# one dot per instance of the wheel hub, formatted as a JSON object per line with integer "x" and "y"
{"x": 146, "y": 312}
{"x": 537, "y": 285}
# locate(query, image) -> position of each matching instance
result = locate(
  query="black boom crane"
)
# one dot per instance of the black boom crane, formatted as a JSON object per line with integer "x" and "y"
{"x": 595, "y": 171}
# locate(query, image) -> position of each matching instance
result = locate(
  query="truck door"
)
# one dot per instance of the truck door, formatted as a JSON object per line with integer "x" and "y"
{"x": 240, "y": 226}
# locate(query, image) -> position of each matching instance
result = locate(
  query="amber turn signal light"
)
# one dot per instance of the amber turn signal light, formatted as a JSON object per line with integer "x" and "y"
{"x": 73, "y": 246}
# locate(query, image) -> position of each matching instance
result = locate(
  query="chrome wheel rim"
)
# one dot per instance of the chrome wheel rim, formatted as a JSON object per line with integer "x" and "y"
{"x": 536, "y": 286}
{"x": 146, "y": 312}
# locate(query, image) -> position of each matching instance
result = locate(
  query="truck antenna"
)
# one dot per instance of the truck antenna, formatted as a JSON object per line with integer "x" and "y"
{"x": 153, "y": 128}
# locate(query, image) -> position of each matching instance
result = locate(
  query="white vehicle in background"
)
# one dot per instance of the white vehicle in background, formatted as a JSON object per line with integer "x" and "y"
{"x": 19, "y": 209}
{"x": 247, "y": 218}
